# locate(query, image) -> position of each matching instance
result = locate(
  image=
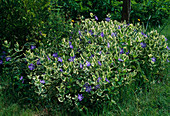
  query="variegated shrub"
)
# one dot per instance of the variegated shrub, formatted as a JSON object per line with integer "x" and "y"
{"x": 98, "y": 58}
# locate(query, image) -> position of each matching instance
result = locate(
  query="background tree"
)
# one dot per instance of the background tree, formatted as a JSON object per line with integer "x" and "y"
{"x": 126, "y": 10}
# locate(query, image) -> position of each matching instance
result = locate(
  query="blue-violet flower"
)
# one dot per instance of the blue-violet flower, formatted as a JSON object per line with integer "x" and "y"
{"x": 107, "y": 19}
{"x": 107, "y": 80}
{"x": 80, "y": 97}
{"x": 31, "y": 66}
{"x": 96, "y": 18}
{"x": 88, "y": 89}
{"x": 55, "y": 55}
{"x": 42, "y": 81}
{"x": 120, "y": 60}
{"x": 102, "y": 34}
{"x": 8, "y": 58}
{"x": 81, "y": 66}
{"x": 48, "y": 57}
{"x": 121, "y": 51}
{"x": 143, "y": 45}
{"x": 153, "y": 59}
{"x": 59, "y": 59}
{"x": 38, "y": 62}
{"x": 97, "y": 86}
{"x": 33, "y": 47}
{"x": 1, "y": 61}
{"x": 21, "y": 78}
{"x": 99, "y": 79}
{"x": 71, "y": 46}
{"x": 108, "y": 45}
{"x": 99, "y": 63}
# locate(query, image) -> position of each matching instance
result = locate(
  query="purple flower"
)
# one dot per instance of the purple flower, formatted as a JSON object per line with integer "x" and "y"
{"x": 107, "y": 80}
{"x": 96, "y": 18}
{"x": 119, "y": 27}
{"x": 59, "y": 59}
{"x": 88, "y": 63}
{"x": 108, "y": 45}
{"x": 61, "y": 69}
{"x": 143, "y": 45}
{"x": 23, "y": 81}
{"x": 70, "y": 37}
{"x": 102, "y": 34}
{"x": 21, "y": 78}
{"x": 33, "y": 47}
{"x": 1, "y": 61}
{"x": 107, "y": 19}
{"x": 99, "y": 79}
{"x": 100, "y": 52}
{"x": 71, "y": 46}
{"x": 55, "y": 55}
{"x": 88, "y": 88}
{"x": 48, "y": 57}
{"x": 31, "y": 66}
{"x": 99, "y": 63}
{"x": 89, "y": 42}
{"x": 38, "y": 62}
{"x": 42, "y": 81}
{"x": 97, "y": 86}
{"x": 40, "y": 33}
{"x": 86, "y": 85}
{"x": 167, "y": 60}
{"x": 143, "y": 34}
{"x": 166, "y": 39}
{"x": 123, "y": 43}
{"x": 121, "y": 51}
{"x": 91, "y": 56}
{"x": 113, "y": 34}
{"x": 168, "y": 48}
{"x": 80, "y": 97}
{"x": 8, "y": 58}
{"x": 153, "y": 59}
{"x": 120, "y": 60}
{"x": 90, "y": 31}
{"x": 72, "y": 59}
{"x": 81, "y": 66}
{"x": 79, "y": 33}
{"x": 69, "y": 42}
{"x": 127, "y": 52}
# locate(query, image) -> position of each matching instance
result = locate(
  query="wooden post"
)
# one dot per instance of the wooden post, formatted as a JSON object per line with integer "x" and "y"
{"x": 126, "y": 11}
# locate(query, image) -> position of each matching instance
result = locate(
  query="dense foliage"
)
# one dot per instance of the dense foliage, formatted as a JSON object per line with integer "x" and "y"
{"x": 154, "y": 12}
{"x": 52, "y": 58}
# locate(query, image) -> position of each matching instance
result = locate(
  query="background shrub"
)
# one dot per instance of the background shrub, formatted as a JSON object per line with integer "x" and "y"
{"x": 19, "y": 19}
{"x": 154, "y": 12}
{"x": 30, "y": 20}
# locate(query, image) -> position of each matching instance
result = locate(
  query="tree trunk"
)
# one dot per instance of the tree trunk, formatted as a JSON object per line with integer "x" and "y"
{"x": 126, "y": 11}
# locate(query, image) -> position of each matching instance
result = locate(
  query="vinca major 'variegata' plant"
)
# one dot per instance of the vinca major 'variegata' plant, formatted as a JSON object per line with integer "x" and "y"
{"x": 95, "y": 60}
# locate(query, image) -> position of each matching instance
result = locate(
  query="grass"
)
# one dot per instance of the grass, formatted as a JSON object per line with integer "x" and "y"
{"x": 149, "y": 103}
